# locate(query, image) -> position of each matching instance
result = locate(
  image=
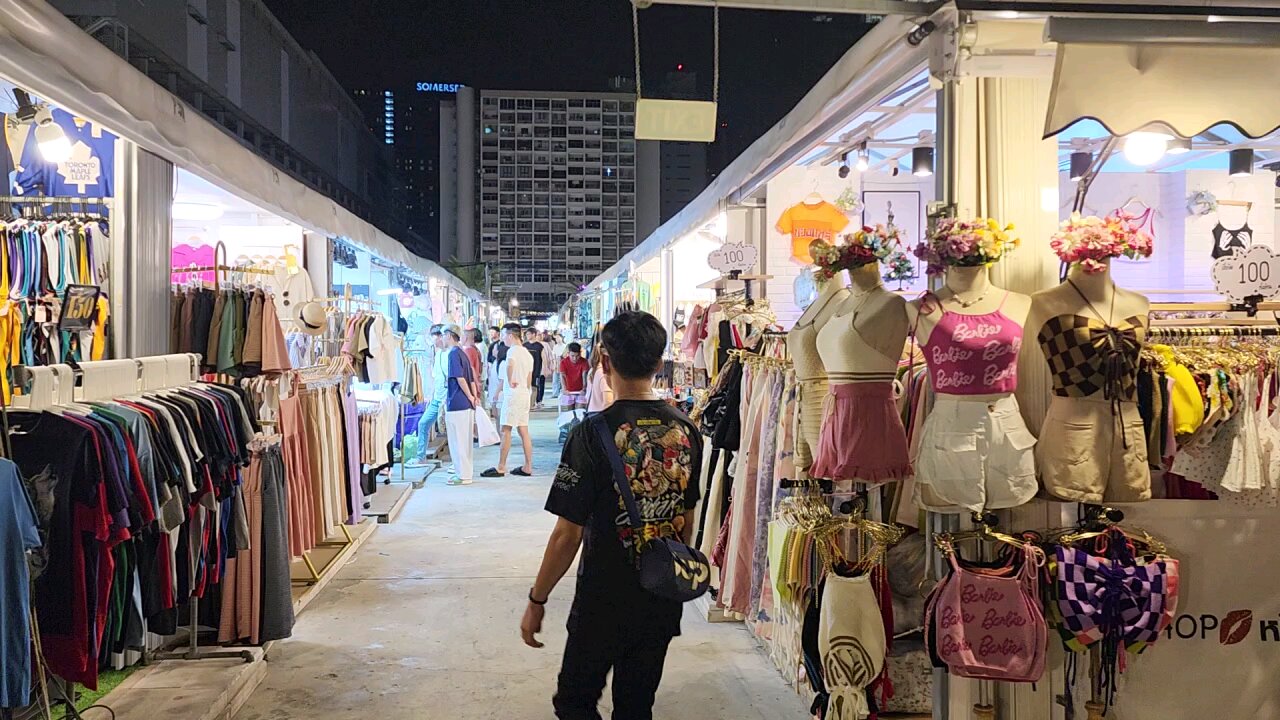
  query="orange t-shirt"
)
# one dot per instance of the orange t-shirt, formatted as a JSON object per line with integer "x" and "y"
{"x": 806, "y": 223}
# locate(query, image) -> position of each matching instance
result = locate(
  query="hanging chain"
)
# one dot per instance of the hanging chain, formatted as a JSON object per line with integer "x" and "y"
{"x": 715, "y": 58}
{"x": 635, "y": 33}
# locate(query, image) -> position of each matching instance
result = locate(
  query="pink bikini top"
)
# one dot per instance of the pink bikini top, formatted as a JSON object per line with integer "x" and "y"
{"x": 974, "y": 354}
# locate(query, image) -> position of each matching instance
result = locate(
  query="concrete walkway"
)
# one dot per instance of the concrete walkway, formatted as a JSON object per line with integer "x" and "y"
{"x": 424, "y": 622}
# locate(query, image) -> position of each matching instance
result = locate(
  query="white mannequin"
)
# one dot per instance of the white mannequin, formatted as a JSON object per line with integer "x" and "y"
{"x": 875, "y": 319}
{"x": 968, "y": 291}
{"x": 802, "y": 343}
{"x": 1111, "y": 304}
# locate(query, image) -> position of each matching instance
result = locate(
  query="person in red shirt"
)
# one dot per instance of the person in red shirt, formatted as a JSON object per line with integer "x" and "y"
{"x": 573, "y": 373}
{"x": 470, "y": 339}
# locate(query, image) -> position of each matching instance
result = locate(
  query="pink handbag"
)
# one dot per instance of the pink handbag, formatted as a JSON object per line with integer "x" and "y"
{"x": 988, "y": 625}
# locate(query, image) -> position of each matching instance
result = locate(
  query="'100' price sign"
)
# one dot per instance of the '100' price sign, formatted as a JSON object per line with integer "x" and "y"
{"x": 79, "y": 308}
{"x": 1253, "y": 273}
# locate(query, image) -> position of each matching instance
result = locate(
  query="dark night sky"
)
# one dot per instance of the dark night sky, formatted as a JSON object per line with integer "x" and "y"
{"x": 769, "y": 59}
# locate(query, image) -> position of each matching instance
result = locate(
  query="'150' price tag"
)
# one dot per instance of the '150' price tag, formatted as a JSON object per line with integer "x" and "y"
{"x": 79, "y": 308}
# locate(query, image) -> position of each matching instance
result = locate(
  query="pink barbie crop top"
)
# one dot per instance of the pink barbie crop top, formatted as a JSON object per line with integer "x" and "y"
{"x": 974, "y": 354}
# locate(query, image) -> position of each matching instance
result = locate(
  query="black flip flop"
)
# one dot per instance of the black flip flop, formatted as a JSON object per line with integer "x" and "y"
{"x": 492, "y": 472}
{"x": 521, "y": 472}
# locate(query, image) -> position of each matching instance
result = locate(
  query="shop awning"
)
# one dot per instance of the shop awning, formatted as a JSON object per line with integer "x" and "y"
{"x": 47, "y": 54}
{"x": 1186, "y": 79}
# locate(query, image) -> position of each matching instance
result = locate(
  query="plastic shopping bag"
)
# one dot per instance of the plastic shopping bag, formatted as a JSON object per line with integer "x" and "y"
{"x": 485, "y": 430}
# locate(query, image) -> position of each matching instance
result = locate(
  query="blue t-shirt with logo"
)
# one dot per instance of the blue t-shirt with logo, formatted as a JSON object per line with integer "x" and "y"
{"x": 89, "y": 172}
{"x": 459, "y": 368}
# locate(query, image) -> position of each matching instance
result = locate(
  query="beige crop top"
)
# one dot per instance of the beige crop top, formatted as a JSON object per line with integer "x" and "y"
{"x": 847, "y": 357}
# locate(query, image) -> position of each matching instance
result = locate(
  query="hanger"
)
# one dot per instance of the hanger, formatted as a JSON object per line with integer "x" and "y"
{"x": 984, "y": 531}
{"x": 1103, "y": 520}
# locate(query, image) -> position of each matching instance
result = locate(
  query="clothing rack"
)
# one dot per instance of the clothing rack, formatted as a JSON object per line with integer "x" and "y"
{"x": 341, "y": 374}
{"x": 54, "y": 385}
{"x": 1191, "y": 331}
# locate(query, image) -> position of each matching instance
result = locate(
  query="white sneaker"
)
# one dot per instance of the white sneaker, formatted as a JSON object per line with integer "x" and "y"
{"x": 456, "y": 481}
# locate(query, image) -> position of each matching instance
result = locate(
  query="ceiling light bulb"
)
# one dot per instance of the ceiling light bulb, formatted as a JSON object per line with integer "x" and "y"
{"x": 1240, "y": 162}
{"x": 51, "y": 138}
{"x": 1145, "y": 148}
{"x": 922, "y": 161}
{"x": 1080, "y": 162}
{"x": 864, "y": 159}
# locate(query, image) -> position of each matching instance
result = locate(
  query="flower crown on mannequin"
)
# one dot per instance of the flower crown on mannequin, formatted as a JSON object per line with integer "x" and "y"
{"x": 1090, "y": 240}
{"x": 966, "y": 243}
{"x": 863, "y": 246}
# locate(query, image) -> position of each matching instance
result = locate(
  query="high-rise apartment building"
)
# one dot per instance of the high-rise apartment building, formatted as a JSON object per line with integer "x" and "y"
{"x": 408, "y": 121}
{"x": 559, "y": 182}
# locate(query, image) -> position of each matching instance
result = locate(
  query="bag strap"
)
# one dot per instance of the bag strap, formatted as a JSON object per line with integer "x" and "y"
{"x": 620, "y": 480}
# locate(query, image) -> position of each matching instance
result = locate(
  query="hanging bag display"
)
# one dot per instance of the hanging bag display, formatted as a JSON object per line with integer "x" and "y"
{"x": 668, "y": 567}
{"x": 989, "y": 625}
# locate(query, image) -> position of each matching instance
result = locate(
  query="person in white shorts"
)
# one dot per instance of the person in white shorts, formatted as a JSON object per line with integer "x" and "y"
{"x": 514, "y": 400}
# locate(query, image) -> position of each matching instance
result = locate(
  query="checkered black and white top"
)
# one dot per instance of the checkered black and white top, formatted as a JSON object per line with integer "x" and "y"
{"x": 1087, "y": 356}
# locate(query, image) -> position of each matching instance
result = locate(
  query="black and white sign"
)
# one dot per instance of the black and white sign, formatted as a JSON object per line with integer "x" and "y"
{"x": 1253, "y": 273}
{"x": 733, "y": 257}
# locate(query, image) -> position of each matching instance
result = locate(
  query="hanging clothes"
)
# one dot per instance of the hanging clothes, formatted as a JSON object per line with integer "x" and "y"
{"x": 140, "y": 503}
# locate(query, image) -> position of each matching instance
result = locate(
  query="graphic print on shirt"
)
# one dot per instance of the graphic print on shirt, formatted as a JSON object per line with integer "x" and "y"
{"x": 657, "y": 456}
{"x": 998, "y": 354}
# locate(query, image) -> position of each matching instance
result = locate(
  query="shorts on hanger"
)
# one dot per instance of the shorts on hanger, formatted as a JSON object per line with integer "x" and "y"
{"x": 975, "y": 454}
{"x": 1091, "y": 453}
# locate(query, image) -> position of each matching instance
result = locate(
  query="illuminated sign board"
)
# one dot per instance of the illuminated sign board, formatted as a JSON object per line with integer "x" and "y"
{"x": 439, "y": 87}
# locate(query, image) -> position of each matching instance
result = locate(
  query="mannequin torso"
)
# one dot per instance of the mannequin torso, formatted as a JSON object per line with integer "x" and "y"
{"x": 863, "y": 339}
{"x": 1110, "y": 304}
{"x": 968, "y": 292}
{"x": 802, "y": 341}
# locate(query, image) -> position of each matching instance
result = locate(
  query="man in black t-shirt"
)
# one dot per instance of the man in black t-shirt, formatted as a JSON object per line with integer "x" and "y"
{"x": 534, "y": 347}
{"x": 614, "y": 623}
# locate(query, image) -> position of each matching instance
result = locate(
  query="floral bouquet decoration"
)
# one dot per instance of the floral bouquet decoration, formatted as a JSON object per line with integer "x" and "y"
{"x": 1090, "y": 240}
{"x": 966, "y": 243}
{"x": 861, "y": 247}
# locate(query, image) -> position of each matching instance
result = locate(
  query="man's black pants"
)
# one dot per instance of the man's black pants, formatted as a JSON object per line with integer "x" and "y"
{"x": 590, "y": 654}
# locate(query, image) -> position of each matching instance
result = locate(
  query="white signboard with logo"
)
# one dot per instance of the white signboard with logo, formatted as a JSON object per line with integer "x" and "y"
{"x": 1221, "y": 657}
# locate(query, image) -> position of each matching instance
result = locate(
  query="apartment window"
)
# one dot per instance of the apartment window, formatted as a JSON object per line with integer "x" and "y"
{"x": 507, "y": 104}
{"x": 541, "y": 103}
{"x": 524, "y": 103}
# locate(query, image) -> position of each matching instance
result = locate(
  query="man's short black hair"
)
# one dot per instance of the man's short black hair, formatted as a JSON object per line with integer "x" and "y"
{"x": 512, "y": 328}
{"x": 574, "y": 347}
{"x": 495, "y": 328}
{"x": 437, "y": 329}
{"x": 635, "y": 342}
{"x": 476, "y": 337}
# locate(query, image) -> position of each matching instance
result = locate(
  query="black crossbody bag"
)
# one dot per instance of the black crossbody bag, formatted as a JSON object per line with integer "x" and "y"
{"x": 668, "y": 568}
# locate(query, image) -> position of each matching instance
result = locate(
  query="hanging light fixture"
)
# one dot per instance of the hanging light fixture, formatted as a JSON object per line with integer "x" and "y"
{"x": 864, "y": 157}
{"x": 1240, "y": 162}
{"x": 1080, "y": 162}
{"x": 51, "y": 139}
{"x": 1145, "y": 148}
{"x": 1179, "y": 146}
{"x": 844, "y": 166}
{"x": 922, "y": 161}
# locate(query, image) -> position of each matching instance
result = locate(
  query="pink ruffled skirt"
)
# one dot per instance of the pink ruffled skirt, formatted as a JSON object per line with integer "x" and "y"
{"x": 862, "y": 436}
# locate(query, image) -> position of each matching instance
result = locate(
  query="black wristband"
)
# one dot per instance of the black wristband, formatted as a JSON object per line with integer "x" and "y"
{"x": 535, "y": 602}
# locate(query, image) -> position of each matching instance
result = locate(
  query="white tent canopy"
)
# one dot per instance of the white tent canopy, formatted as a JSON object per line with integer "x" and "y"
{"x": 44, "y": 52}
